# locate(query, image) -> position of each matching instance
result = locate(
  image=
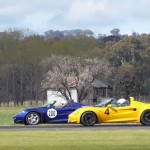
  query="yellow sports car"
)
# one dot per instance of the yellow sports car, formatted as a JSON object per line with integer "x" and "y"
{"x": 113, "y": 111}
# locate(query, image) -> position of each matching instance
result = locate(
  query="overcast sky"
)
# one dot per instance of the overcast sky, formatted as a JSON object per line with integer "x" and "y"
{"x": 100, "y": 16}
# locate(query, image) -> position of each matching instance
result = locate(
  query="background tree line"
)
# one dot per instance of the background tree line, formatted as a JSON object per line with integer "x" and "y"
{"x": 22, "y": 55}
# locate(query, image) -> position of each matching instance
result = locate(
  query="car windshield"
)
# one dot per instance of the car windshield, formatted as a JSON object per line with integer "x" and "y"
{"x": 105, "y": 103}
{"x": 56, "y": 105}
{"x": 116, "y": 103}
{"x": 49, "y": 104}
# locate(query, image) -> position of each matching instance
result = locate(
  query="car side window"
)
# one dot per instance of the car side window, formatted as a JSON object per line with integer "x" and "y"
{"x": 114, "y": 103}
{"x": 123, "y": 103}
{"x": 118, "y": 103}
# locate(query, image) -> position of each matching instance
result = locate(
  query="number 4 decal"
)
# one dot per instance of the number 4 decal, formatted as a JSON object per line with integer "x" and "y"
{"x": 107, "y": 111}
{"x": 52, "y": 113}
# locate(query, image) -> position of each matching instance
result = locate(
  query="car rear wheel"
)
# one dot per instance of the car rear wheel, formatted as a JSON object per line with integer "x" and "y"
{"x": 88, "y": 119}
{"x": 145, "y": 117}
{"x": 32, "y": 118}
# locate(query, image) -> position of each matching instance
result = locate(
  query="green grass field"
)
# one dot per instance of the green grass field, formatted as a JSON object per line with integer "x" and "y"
{"x": 75, "y": 140}
{"x": 7, "y": 113}
{"x": 69, "y": 139}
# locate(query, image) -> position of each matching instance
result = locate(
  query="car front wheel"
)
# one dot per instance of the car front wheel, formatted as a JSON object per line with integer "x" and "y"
{"x": 145, "y": 117}
{"x": 32, "y": 118}
{"x": 88, "y": 119}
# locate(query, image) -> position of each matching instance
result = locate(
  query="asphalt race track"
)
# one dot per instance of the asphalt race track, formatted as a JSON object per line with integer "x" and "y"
{"x": 77, "y": 127}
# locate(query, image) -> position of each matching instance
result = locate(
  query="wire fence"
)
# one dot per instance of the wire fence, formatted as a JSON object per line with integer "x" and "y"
{"x": 27, "y": 103}
{"x": 143, "y": 98}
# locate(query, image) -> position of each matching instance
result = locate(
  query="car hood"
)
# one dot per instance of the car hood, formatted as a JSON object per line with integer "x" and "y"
{"x": 34, "y": 109}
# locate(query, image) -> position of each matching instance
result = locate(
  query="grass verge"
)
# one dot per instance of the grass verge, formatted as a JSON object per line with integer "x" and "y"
{"x": 75, "y": 140}
{"x": 69, "y": 140}
{"x": 7, "y": 113}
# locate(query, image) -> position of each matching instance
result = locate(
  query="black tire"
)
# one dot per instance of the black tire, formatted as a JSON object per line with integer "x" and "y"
{"x": 32, "y": 118}
{"x": 88, "y": 119}
{"x": 145, "y": 117}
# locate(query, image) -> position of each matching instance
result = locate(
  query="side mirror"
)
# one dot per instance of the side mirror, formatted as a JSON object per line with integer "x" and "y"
{"x": 109, "y": 106}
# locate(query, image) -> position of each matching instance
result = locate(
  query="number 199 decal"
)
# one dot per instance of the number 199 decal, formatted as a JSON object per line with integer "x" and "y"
{"x": 51, "y": 113}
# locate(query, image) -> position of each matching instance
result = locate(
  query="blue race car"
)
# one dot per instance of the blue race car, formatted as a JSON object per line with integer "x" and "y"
{"x": 46, "y": 114}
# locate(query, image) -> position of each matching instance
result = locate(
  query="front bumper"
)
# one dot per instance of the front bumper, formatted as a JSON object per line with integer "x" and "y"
{"x": 20, "y": 117}
{"x": 18, "y": 120}
{"x": 73, "y": 119}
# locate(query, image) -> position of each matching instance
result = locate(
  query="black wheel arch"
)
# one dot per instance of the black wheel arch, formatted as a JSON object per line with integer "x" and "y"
{"x": 89, "y": 112}
{"x": 141, "y": 117}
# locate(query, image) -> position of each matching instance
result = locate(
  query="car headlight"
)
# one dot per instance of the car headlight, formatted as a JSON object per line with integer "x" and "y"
{"x": 19, "y": 113}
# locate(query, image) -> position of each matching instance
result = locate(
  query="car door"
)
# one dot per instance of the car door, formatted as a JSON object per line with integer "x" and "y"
{"x": 119, "y": 114}
{"x": 57, "y": 115}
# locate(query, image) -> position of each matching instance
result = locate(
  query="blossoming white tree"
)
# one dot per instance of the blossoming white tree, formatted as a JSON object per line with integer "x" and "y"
{"x": 65, "y": 72}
